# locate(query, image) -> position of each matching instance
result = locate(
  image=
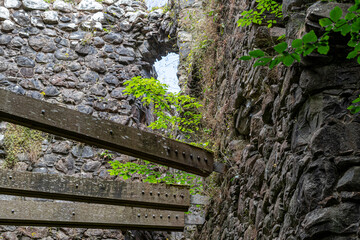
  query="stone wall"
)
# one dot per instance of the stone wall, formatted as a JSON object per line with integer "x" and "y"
{"x": 291, "y": 144}
{"x": 78, "y": 54}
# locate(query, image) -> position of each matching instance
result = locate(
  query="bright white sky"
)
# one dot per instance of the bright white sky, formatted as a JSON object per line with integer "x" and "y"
{"x": 166, "y": 70}
{"x": 155, "y": 3}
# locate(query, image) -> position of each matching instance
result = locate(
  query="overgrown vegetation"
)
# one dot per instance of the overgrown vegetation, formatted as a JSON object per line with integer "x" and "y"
{"x": 176, "y": 113}
{"x": 19, "y": 139}
{"x": 265, "y": 10}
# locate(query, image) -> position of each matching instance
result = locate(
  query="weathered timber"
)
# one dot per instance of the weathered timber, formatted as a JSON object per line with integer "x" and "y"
{"x": 81, "y": 127}
{"x": 83, "y": 215}
{"x": 53, "y": 186}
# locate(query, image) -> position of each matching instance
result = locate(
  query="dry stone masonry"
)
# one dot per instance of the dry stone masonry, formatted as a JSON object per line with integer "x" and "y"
{"x": 78, "y": 54}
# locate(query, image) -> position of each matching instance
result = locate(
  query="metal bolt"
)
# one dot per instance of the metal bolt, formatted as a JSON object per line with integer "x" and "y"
{"x": 153, "y": 216}
{"x": 176, "y": 152}
{"x": 166, "y": 195}
{"x": 138, "y": 215}
{"x": 191, "y": 156}
{"x": 160, "y": 216}
{"x": 198, "y": 157}
{"x": 182, "y": 195}
{"x": 150, "y": 193}
{"x": 205, "y": 160}
{"x": 183, "y": 153}
{"x": 77, "y": 186}
{"x": 168, "y": 149}
{"x": 10, "y": 177}
{"x": 175, "y": 195}
{"x": 111, "y": 132}
{"x": 146, "y": 216}
{"x": 169, "y": 216}
{"x": 73, "y": 213}
{"x": 43, "y": 111}
{"x": 12, "y": 211}
{"x": 177, "y": 216}
{"x": 143, "y": 192}
{"x": 158, "y": 193}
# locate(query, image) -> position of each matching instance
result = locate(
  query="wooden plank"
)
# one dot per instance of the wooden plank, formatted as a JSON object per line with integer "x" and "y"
{"x": 81, "y": 127}
{"x": 83, "y": 215}
{"x": 54, "y": 186}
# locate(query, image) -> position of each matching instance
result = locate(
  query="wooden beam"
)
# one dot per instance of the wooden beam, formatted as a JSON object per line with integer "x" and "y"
{"x": 81, "y": 127}
{"x": 83, "y": 215}
{"x": 54, "y": 186}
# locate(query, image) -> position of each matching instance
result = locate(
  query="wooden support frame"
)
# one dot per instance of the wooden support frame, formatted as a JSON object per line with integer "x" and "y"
{"x": 54, "y": 186}
{"x": 83, "y": 215}
{"x": 101, "y": 133}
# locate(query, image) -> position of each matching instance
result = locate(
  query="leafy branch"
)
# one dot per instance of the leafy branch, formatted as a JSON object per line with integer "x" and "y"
{"x": 350, "y": 24}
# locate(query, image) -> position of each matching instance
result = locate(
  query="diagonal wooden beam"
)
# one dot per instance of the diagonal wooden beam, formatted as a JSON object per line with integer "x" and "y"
{"x": 69, "y": 188}
{"x": 81, "y": 127}
{"x": 83, "y": 215}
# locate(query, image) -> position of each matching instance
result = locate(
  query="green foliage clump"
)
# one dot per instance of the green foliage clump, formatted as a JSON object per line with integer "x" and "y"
{"x": 174, "y": 111}
{"x": 153, "y": 175}
{"x": 19, "y": 139}
{"x": 349, "y": 25}
{"x": 259, "y": 15}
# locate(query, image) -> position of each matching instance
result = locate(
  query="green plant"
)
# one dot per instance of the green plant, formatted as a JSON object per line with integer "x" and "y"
{"x": 106, "y": 155}
{"x": 174, "y": 111}
{"x": 355, "y": 108}
{"x": 260, "y": 15}
{"x": 19, "y": 139}
{"x": 349, "y": 25}
{"x": 154, "y": 175}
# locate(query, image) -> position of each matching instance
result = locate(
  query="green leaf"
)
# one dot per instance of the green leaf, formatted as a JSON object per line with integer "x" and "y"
{"x": 356, "y": 100}
{"x": 245, "y": 58}
{"x": 296, "y": 57}
{"x": 336, "y": 14}
{"x": 325, "y": 22}
{"x": 288, "y": 60}
{"x": 310, "y": 37}
{"x": 275, "y": 61}
{"x": 297, "y": 43}
{"x": 262, "y": 61}
{"x": 280, "y": 48}
{"x": 257, "y": 53}
{"x": 323, "y": 49}
{"x": 358, "y": 59}
{"x": 352, "y": 54}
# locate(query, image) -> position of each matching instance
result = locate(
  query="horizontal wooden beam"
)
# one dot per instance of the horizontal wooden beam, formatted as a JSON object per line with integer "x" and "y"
{"x": 54, "y": 186}
{"x": 102, "y": 133}
{"x": 83, "y": 215}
